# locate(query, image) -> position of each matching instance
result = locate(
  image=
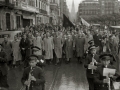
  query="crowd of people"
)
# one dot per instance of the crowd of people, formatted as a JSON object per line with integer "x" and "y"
{"x": 55, "y": 45}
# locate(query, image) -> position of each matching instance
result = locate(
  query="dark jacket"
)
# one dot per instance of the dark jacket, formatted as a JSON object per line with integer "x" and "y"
{"x": 98, "y": 79}
{"x": 3, "y": 70}
{"x": 87, "y": 62}
{"x": 25, "y": 44}
{"x": 38, "y": 74}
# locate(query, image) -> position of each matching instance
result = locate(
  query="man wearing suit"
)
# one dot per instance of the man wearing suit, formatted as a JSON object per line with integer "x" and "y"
{"x": 25, "y": 48}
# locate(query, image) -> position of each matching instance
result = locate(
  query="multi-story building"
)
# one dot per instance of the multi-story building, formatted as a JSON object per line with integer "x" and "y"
{"x": 108, "y": 6}
{"x": 89, "y": 8}
{"x": 44, "y": 12}
{"x": 55, "y": 12}
{"x": 16, "y": 14}
{"x": 7, "y": 14}
{"x": 66, "y": 9}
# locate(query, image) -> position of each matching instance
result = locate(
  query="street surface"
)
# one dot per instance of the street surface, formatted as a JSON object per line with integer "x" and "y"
{"x": 64, "y": 77}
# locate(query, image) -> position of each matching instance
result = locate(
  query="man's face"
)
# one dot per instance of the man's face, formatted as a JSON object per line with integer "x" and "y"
{"x": 6, "y": 38}
{"x": 93, "y": 51}
{"x": 33, "y": 63}
{"x": 24, "y": 36}
{"x": 106, "y": 61}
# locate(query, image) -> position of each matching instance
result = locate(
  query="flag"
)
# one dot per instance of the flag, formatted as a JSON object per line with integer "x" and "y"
{"x": 83, "y": 22}
{"x": 67, "y": 22}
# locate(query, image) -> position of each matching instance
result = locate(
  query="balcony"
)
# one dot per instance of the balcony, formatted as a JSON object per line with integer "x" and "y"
{"x": 42, "y": 11}
{"x": 54, "y": 5}
{"x": 6, "y": 3}
{"x": 24, "y": 6}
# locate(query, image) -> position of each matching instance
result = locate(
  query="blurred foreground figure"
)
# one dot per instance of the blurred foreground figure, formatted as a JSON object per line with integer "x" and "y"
{"x": 33, "y": 76}
{"x": 3, "y": 70}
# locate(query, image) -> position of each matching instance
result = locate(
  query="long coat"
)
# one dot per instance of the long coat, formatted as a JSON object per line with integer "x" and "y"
{"x": 38, "y": 42}
{"x": 48, "y": 46}
{"x": 38, "y": 74}
{"x": 58, "y": 43}
{"x": 7, "y": 48}
{"x": 69, "y": 48}
{"x": 16, "y": 51}
{"x": 25, "y": 44}
{"x": 79, "y": 46}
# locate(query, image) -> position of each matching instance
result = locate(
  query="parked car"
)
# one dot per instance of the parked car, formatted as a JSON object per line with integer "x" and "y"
{"x": 10, "y": 35}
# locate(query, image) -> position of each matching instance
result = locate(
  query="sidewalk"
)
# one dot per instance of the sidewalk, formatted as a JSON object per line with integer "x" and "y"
{"x": 14, "y": 77}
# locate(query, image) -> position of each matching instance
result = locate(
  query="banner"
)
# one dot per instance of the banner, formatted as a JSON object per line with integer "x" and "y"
{"x": 84, "y": 22}
{"x": 67, "y": 22}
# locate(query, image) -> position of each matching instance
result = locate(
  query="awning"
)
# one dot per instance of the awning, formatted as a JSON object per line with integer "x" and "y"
{"x": 28, "y": 17}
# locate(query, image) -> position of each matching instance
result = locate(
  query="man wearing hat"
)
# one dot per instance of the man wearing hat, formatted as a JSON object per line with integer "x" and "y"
{"x": 3, "y": 70}
{"x": 33, "y": 76}
{"x": 104, "y": 82}
{"x": 91, "y": 60}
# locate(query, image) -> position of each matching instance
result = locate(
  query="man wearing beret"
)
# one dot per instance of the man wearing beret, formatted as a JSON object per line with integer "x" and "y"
{"x": 3, "y": 70}
{"x": 103, "y": 82}
{"x": 91, "y": 59}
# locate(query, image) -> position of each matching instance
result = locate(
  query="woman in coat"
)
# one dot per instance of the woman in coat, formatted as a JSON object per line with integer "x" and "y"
{"x": 69, "y": 48}
{"x": 48, "y": 47}
{"x": 16, "y": 51}
{"x": 37, "y": 41}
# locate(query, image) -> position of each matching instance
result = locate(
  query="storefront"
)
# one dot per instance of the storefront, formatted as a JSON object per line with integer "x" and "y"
{"x": 28, "y": 19}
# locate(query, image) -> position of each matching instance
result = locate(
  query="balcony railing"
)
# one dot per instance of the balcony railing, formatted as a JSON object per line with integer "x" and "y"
{"x": 42, "y": 11}
{"x": 7, "y": 3}
{"x": 25, "y": 6}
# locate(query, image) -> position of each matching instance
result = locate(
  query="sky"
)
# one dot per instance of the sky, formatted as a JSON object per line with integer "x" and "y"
{"x": 76, "y": 2}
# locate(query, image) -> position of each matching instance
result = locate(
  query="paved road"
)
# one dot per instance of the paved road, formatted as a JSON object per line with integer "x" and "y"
{"x": 14, "y": 77}
{"x": 71, "y": 77}
{"x": 64, "y": 77}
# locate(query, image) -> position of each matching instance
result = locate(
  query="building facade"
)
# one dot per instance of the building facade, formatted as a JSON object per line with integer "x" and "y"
{"x": 66, "y": 9}
{"x": 108, "y": 6}
{"x": 55, "y": 12}
{"x": 15, "y": 14}
{"x": 88, "y": 8}
{"x": 91, "y": 8}
{"x": 7, "y": 15}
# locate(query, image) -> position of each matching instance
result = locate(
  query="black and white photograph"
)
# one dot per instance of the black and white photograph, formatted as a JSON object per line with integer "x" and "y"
{"x": 59, "y": 44}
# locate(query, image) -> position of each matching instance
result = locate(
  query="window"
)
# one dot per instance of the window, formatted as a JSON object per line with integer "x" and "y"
{"x": 18, "y": 21}
{"x": 32, "y": 3}
{"x": 36, "y": 3}
{"x": 39, "y": 4}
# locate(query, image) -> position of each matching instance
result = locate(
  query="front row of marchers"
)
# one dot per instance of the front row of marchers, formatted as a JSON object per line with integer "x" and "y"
{"x": 100, "y": 71}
